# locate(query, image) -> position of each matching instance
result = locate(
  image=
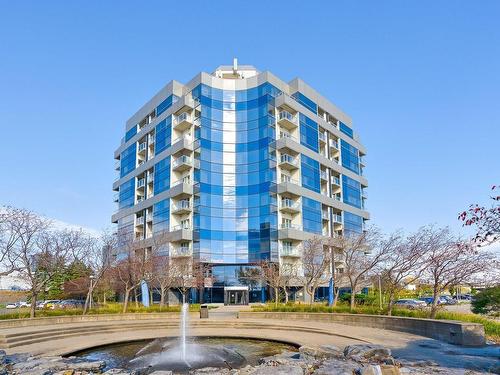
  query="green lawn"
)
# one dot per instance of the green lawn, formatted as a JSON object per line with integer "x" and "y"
{"x": 491, "y": 327}
{"x": 110, "y": 308}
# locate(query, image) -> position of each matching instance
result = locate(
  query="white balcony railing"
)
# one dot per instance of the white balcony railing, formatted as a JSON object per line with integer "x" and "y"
{"x": 323, "y": 175}
{"x": 289, "y": 159}
{"x": 181, "y": 226}
{"x": 285, "y": 115}
{"x": 337, "y": 218}
{"x": 290, "y": 226}
{"x": 336, "y": 180}
{"x": 322, "y": 137}
{"x": 291, "y": 204}
{"x": 142, "y": 146}
{"x": 141, "y": 182}
{"x": 181, "y": 160}
{"x": 289, "y": 251}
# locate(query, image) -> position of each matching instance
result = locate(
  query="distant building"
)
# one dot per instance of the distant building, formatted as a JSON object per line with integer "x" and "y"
{"x": 237, "y": 167}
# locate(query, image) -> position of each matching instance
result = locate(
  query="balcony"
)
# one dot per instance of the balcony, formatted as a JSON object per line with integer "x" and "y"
{"x": 290, "y": 206}
{"x": 323, "y": 175}
{"x": 151, "y": 139}
{"x": 183, "y": 251}
{"x": 182, "y": 163}
{"x": 288, "y": 162}
{"x": 116, "y": 197}
{"x": 290, "y": 226}
{"x": 139, "y": 221}
{"x": 151, "y": 178}
{"x": 117, "y": 165}
{"x": 140, "y": 198}
{"x": 140, "y": 183}
{"x": 337, "y": 218}
{"x": 287, "y": 120}
{"x": 336, "y": 180}
{"x": 334, "y": 144}
{"x": 289, "y": 180}
{"x": 337, "y": 197}
{"x": 181, "y": 207}
{"x": 183, "y": 121}
{"x": 142, "y": 147}
{"x": 325, "y": 215}
{"x": 289, "y": 251}
{"x": 149, "y": 218}
{"x": 322, "y": 137}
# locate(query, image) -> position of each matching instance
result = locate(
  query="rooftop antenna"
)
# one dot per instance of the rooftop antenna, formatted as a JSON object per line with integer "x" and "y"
{"x": 235, "y": 65}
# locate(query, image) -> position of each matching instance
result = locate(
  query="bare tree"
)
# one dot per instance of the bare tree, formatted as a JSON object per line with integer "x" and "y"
{"x": 130, "y": 270}
{"x": 270, "y": 275}
{"x": 289, "y": 276}
{"x": 39, "y": 253}
{"x": 9, "y": 236}
{"x": 362, "y": 254}
{"x": 451, "y": 262}
{"x": 315, "y": 261}
{"x": 96, "y": 258}
{"x": 337, "y": 273}
{"x": 405, "y": 262}
{"x": 182, "y": 271}
{"x": 486, "y": 220}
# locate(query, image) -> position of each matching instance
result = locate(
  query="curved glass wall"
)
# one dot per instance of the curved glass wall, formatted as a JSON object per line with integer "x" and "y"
{"x": 235, "y": 218}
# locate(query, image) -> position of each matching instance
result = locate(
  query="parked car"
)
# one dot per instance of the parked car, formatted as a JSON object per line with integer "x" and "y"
{"x": 411, "y": 304}
{"x": 448, "y": 300}
{"x": 23, "y": 304}
{"x": 47, "y": 304}
{"x": 69, "y": 304}
{"x": 11, "y": 306}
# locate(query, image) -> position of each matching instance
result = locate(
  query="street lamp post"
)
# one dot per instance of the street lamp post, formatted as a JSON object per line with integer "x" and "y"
{"x": 91, "y": 290}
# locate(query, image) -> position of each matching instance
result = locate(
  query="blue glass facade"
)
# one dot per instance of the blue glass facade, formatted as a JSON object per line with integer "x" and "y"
{"x": 128, "y": 160}
{"x": 350, "y": 156}
{"x": 163, "y": 135}
{"x": 351, "y": 190}
{"x": 161, "y": 216}
{"x": 166, "y": 104}
{"x": 310, "y": 173}
{"x": 311, "y": 216}
{"x": 305, "y": 101}
{"x": 130, "y": 133}
{"x": 353, "y": 224}
{"x": 162, "y": 175}
{"x": 235, "y": 218}
{"x": 309, "y": 133}
{"x": 127, "y": 194}
{"x": 346, "y": 130}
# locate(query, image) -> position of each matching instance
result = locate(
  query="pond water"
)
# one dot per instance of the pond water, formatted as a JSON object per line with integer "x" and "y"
{"x": 199, "y": 352}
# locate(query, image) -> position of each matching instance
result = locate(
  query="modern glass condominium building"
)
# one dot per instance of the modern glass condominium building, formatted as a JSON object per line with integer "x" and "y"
{"x": 237, "y": 167}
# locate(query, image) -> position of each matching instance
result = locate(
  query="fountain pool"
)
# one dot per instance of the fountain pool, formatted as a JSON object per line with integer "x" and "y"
{"x": 198, "y": 352}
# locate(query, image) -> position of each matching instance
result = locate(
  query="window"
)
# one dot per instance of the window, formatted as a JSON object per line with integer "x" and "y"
{"x": 308, "y": 133}
{"x": 353, "y": 224}
{"x": 166, "y": 104}
{"x": 310, "y": 174}
{"x": 163, "y": 135}
{"x": 130, "y": 133}
{"x": 350, "y": 156}
{"x": 162, "y": 175}
{"x": 161, "y": 216}
{"x": 311, "y": 215}
{"x": 126, "y": 195}
{"x": 346, "y": 130}
{"x": 305, "y": 101}
{"x": 351, "y": 191}
{"x": 128, "y": 160}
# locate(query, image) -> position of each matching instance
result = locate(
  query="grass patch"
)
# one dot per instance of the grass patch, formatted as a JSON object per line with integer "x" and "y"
{"x": 491, "y": 327}
{"x": 111, "y": 308}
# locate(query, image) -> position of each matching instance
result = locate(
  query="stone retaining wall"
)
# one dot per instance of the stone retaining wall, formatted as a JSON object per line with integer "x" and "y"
{"x": 13, "y": 323}
{"x": 451, "y": 331}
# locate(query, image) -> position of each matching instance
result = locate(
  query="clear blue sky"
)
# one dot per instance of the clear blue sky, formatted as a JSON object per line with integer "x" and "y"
{"x": 420, "y": 79}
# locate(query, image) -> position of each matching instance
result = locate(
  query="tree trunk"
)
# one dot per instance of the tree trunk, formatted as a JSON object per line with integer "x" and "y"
{"x": 336, "y": 297}
{"x": 162, "y": 297}
{"x": 125, "y": 300}
{"x": 86, "y": 306}
{"x": 276, "y": 296}
{"x": 391, "y": 303}
{"x": 313, "y": 294}
{"x": 135, "y": 299}
{"x": 353, "y": 298}
{"x": 434, "y": 306}
{"x": 33, "y": 305}
{"x": 286, "y": 294}
{"x": 104, "y": 302}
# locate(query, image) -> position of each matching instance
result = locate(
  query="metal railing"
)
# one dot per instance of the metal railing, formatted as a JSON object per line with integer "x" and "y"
{"x": 285, "y": 115}
{"x": 181, "y": 226}
{"x": 285, "y": 158}
{"x": 140, "y": 183}
{"x": 290, "y": 226}
{"x": 142, "y": 146}
{"x": 289, "y": 203}
{"x": 181, "y": 160}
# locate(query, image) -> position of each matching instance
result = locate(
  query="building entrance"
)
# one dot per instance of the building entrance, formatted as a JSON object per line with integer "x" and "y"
{"x": 236, "y": 295}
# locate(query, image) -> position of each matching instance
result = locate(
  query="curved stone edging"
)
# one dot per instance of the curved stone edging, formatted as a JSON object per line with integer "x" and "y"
{"x": 450, "y": 331}
{"x": 51, "y": 320}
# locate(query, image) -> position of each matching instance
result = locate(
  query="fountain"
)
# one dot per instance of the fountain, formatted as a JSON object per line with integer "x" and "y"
{"x": 185, "y": 353}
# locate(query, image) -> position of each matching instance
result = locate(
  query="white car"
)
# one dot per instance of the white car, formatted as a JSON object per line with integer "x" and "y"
{"x": 411, "y": 304}
{"x": 11, "y": 306}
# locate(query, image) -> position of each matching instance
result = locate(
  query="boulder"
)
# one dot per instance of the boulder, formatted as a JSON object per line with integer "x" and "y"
{"x": 369, "y": 353}
{"x": 336, "y": 367}
{"x": 379, "y": 370}
{"x": 277, "y": 370}
{"x": 323, "y": 352}
{"x": 162, "y": 372}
